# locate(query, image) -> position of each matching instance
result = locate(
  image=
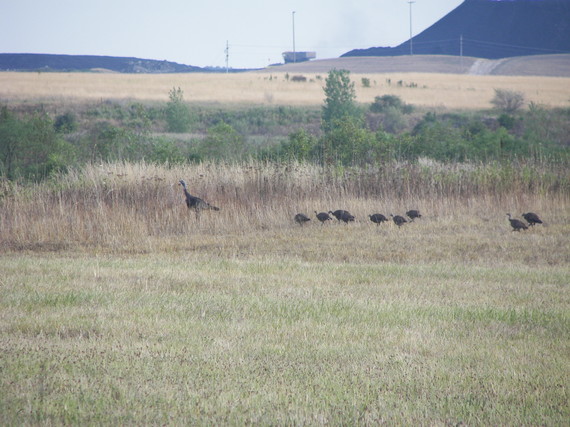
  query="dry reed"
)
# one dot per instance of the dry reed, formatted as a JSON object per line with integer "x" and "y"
{"x": 123, "y": 205}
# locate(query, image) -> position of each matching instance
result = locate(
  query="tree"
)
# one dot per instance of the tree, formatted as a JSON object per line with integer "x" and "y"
{"x": 508, "y": 101}
{"x": 177, "y": 113}
{"x": 340, "y": 98}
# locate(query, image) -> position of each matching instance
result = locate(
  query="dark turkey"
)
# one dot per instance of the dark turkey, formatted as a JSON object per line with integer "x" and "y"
{"x": 377, "y": 218}
{"x": 398, "y": 220}
{"x": 531, "y": 218}
{"x": 517, "y": 225}
{"x": 194, "y": 202}
{"x": 301, "y": 218}
{"x": 413, "y": 214}
{"x": 323, "y": 217}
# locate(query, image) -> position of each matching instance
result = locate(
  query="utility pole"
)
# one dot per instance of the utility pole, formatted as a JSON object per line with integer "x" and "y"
{"x": 227, "y": 51}
{"x": 294, "y": 52}
{"x": 411, "y": 38}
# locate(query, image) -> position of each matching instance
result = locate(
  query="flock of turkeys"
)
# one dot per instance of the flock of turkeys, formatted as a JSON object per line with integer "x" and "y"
{"x": 199, "y": 205}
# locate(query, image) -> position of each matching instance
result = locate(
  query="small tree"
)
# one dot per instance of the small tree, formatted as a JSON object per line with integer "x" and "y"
{"x": 177, "y": 113}
{"x": 508, "y": 101}
{"x": 340, "y": 99}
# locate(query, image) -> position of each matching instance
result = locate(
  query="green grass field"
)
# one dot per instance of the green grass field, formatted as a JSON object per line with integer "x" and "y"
{"x": 435, "y": 323}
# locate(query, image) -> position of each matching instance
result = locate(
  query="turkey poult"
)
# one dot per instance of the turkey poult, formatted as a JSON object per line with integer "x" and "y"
{"x": 194, "y": 202}
{"x": 517, "y": 225}
{"x": 398, "y": 220}
{"x": 377, "y": 218}
{"x": 323, "y": 217}
{"x": 413, "y": 214}
{"x": 301, "y": 218}
{"x": 531, "y": 218}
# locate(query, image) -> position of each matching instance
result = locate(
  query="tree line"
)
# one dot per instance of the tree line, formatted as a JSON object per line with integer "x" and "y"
{"x": 341, "y": 132}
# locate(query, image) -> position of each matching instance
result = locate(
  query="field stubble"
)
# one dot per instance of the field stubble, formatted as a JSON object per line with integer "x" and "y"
{"x": 118, "y": 306}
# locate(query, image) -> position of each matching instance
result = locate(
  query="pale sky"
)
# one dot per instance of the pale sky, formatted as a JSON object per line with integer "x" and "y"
{"x": 195, "y": 32}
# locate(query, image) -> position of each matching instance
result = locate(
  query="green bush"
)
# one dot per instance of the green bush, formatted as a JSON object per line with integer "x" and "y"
{"x": 177, "y": 112}
{"x": 65, "y": 123}
{"x": 222, "y": 143}
{"x": 384, "y": 103}
{"x": 30, "y": 148}
{"x": 348, "y": 143}
{"x": 299, "y": 146}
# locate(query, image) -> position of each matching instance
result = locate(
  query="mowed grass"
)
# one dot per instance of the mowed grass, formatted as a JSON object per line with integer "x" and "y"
{"x": 440, "y": 322}
{"x": 429, "y": 90}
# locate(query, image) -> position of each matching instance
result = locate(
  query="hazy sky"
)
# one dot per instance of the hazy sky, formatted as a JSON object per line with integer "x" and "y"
{"x": 195, "y": 32}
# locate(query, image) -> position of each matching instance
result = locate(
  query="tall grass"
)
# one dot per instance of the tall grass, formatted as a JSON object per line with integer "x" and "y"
{"x": 129, "y": 205}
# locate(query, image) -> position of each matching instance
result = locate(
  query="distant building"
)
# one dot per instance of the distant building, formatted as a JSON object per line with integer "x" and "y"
{"x": 289, "y": 57}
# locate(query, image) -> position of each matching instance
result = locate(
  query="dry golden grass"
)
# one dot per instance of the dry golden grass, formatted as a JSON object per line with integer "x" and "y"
{"x": 139, "y": 208}
{"x": 452, "y": 91}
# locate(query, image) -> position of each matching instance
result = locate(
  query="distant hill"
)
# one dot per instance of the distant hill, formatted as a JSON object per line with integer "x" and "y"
{"x": 491, "y": 29}
{"x": 47, "y": 62}
{"x": 534, "y": 65}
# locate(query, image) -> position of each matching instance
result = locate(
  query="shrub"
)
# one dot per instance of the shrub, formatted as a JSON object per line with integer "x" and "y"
{"x": 508, "y": 101}
{"x": 394, "y": 120}
{"x": 298, "y": 78}
{"x": 65, "y": 123}
{"x": 300, "y": 146}
{"x": 348, "y": 143}
{"x": 383, "y": 103}
{"x": 30, "y": 148}
{"x": 222, "y": 143}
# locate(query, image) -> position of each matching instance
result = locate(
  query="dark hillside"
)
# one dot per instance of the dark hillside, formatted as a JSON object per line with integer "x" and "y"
{"x": 491, "y": 29}
{"x": 46, "y": 62}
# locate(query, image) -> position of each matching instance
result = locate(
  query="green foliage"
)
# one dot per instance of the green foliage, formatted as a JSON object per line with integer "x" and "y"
{"x": 177, "y": 112}
{"x": 340, "y": 97}
{"x": 384, "y": 103}
{"x": 222, "y": 143}
{"x": 365, "y": 82}
{"x": 65, "y": 123}
{"x": 347, "y": 143}
{"x": 30, "y": 148}
{"x": 507, "y": 121}
{"x": 165, "y": 151}
{"x": 12, "y": 133}
{"x": 300, "y": 146}
{"x": 393, "y": 120}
